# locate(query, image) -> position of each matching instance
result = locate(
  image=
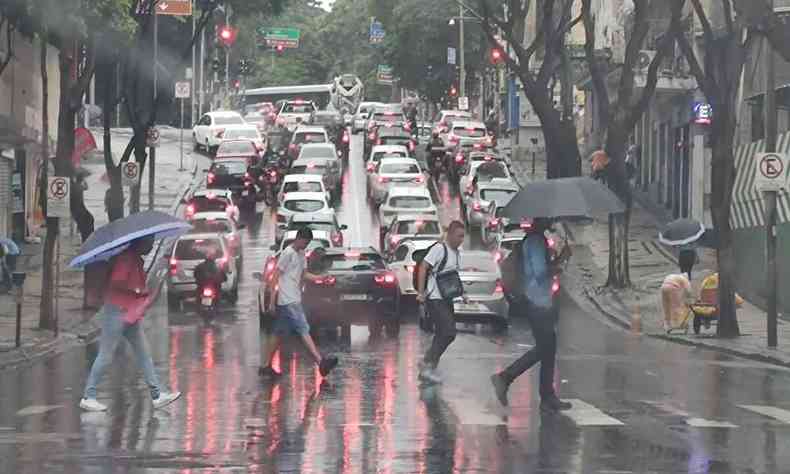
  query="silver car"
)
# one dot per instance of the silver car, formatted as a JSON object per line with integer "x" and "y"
{"x": 410, "y": 227}
{"x": 485, "y": 296}
{"x": 403, "y": 263}
{"x": 394, "y": 172}
{"x": 482, "y": 195}
{"x": 188, "y": 252}
{"x": 362, "y": 114}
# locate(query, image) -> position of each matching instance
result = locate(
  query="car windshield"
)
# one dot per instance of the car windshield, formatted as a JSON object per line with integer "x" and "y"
{"x": 229, "y": 167}
{"x": 309, "y": 137}
{"x": 499, "y": 195}
{"x": 469, "y": 132}
{"x": 389, "y": 154}
{"x": 304, "y": 205}
{"x": 418, "y": 227}
{"x": 228, "y": 120}
{"x": 298, "y": 108}
{"x": 302, "y": 186}
{"x": 314, "y": 244}
{"x": 394, "y": 140}
{"x": 325, "y": 119}
{"x": 320, "y": 226}
{"x": 410, "y": 202}
{"x": 386, "y": 117}
{"x": 236, "y": 148}
{"x": 353, "y": 261}
{"x": 316, "y": 152}
{"x": 255, "y": 118}
{"x": 249, "y": 134}
{"x": 491, "y": 170}
{"x": 207, "y": 204}
{"x": 307, "y": 169}
{"x": 478, "y": 263}
{"x": 197, "y": 249}
{"x": 399, "y": 168}
{"x": 211, "y": 225}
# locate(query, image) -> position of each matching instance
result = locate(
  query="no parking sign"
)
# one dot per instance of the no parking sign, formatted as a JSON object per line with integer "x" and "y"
{"x": 130, "y": 173}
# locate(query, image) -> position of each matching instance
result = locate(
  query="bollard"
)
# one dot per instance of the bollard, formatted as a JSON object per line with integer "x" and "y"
{"x": 18, "y": 278}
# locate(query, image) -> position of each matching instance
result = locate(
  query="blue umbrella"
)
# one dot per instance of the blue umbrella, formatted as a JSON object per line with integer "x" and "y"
{"x": 11, "y": 247}
{"x": 113, "y": 238}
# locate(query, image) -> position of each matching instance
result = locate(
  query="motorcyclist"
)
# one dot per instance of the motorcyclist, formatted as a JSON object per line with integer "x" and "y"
{"x": 413, "y": 120}
{"x": 208, "y": 273}
{"x": 435, "y": 151}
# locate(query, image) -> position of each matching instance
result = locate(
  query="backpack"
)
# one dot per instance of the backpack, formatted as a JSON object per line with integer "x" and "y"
{"x": 513, "y": 274}
{"x": 418, "y": 261}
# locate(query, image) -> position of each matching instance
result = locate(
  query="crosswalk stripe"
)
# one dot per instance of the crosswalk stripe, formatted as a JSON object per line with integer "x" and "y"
{"x": 584, "y": 414}
{"x": 769, "y": 411}
{"x": 471, "y": 412}
{"x": 703, "y": 423}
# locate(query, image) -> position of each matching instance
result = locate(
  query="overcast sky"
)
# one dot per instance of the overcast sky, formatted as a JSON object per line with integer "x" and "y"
{"x": 327, "y": 4}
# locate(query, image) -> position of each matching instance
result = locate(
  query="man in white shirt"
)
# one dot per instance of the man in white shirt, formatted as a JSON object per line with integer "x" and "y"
{"x": 442, "y": 257}
{"x": 289, "y": 313}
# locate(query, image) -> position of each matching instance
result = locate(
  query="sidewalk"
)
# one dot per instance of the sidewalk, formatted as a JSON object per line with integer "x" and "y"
{"x": 74, "y": 322}
{"x": 639, "y": 307}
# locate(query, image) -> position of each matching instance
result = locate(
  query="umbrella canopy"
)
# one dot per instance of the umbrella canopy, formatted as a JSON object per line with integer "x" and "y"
{"x": 563, "y": 197}
{"x": 11, "y": 248}
{"x": 681, "y": 232}
{"x": 113, "y": 238}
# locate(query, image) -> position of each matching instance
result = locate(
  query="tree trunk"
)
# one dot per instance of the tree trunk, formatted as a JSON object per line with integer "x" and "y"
{"x": 617, "y": 178}
{"x": 562, "y": 150}
{"x": 47, "y": 275}
{"x": 115, "y": 195}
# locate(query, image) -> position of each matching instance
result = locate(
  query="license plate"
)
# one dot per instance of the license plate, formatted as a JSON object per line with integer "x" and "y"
{"x": 206, "y": 301}
{"x": 354, "y": 297}
{"x": 469, "y": 308}
{"x": 245, "y": 193}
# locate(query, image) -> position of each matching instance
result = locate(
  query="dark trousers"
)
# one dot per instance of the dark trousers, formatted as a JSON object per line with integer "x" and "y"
{"x": 441, "y": 313}
{"x": 542, "y": 321}
{"x": 686, "y": 260}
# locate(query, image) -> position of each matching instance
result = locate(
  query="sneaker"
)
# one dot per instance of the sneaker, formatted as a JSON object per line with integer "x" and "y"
{"x": 91, "y": 404}
{"x": 428, "y": 374}
{"x": 554, "y": 404}
{"x": 500, "y": 388}
{"x": 166, "y": 398}
{"x": 269, "y": 372}
{"x": 326, "y": 365}
{"x": 667, "y": 327}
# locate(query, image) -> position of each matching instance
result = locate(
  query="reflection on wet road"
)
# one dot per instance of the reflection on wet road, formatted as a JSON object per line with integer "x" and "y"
{"x": 640, "y": 405}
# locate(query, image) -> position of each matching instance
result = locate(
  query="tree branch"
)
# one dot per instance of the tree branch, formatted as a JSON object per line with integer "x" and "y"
{"x": 688, "y": 52}
{"x": 84, "y": 80}
{"x": 636, "y": 110}
{"x": 9, "y": 31}
{"x": 597, "y": 74}
{"x": 703, "y": 19}
{"x": 757, "y": 15}
{"x": 728, "y": 16}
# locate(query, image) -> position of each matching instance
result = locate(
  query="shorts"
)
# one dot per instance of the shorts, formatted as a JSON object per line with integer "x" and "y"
{"x": 290, "y": 319}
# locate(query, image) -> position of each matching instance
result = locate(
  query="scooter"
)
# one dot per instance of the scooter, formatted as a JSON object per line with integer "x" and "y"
{"x": 208, "y": 298}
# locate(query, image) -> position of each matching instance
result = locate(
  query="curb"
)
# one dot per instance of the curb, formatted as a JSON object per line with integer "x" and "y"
{"x": 85, "y": 332}
{"x": 724, "y": 350}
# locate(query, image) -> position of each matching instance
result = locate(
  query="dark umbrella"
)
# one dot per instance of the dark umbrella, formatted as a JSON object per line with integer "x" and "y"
{"x": 563, "y": 197}
{"x": 113, "y": 238}
{"x": 681, "y": 232}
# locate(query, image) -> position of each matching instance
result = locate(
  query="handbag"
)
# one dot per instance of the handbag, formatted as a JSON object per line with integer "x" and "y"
{"x": 449, "y": 282}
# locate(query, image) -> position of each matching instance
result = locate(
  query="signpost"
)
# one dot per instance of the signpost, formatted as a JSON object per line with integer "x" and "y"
{"x": 771, "y": 172}
{"x": 58, "y": 193}
{"x": 377, "y": 32}
{"x": 463, "y": 103}
{"x": 152, "y": 137}
{"x": 174, "y": 7}
{"x": 130, "y": 173}
{"x": 183, "y": 92}
{"x": 451, "y": 56}
{"x": 274, "y": 37}
{"x": 384, "y": 75}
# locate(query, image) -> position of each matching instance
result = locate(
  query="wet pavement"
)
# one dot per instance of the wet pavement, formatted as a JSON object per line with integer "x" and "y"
{"x": 640, "y": 405}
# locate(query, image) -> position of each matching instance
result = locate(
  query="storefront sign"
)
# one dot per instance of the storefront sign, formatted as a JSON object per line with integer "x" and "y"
{"x": 703, "y": 113}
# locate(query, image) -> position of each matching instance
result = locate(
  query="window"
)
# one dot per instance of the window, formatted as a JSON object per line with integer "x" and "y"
{"x": 399, "y": 168}
{"x": 498, "y": 195}
{"x": 309, "y": 137}
{"x": 236, "y": 148}
{"x": 197, "y": 249}
{"x": 298, "y": 108}
{"x": 491, "y": 170}
{"x": 206, "y": 204}
{"x": 401, "y": 253}
{"x": 304, "y": 205}
{"x": 471, "y": 132}
{"x": 418, "y": 227}
{"x": 476, "y": 263}
{"x": 211, "y": 225}
{"x": 410, "y": 202}
{"x": 228, "y": 120}
{"x": 249, "y": 134}
{"x": 302, "y": 187}
{"x": 353, "y": 262}
{"x": 229, "y": 167}
{"x": 316, "y": 152}
{"x": 378, "y": 156}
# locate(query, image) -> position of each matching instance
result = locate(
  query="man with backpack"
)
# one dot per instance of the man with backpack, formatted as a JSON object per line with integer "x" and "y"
{"x": 527, "y": 275}
{"x": 438, "y": 283}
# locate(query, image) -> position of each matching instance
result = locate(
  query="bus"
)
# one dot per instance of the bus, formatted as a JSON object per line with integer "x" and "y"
{"x": 320, "y": 94}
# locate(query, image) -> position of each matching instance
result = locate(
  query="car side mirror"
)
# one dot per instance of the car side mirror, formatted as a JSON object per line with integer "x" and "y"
{"x": 258, "y": 276}
{"x": 344, "y": 227}
{"x": 241, "y": 226}
{"x": 273, "y": 247}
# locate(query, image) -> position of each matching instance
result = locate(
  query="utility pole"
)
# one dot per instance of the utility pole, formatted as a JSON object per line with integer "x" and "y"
{"x": 770, "y": 196}
{"x": 227, "y": 57}
{"x": 461, "y": 58}
{"x": 152, "y": 149}
{"x": 192, "y": 102}
{"x": 201, "y": 86}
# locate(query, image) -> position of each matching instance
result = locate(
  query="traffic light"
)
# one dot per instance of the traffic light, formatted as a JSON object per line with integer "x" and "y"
{"x": 496, "y": 55}
{"x": 236, "y": 84}
{"x": 216, "y": 65}
{"x": 453, "y": 91}
{"x": 245, "y": 67}
{"x": 227, "y": 35}
{"x": 280, "y": 49}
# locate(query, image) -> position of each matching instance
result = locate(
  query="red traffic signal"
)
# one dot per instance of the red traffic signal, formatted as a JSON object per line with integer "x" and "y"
{"x": 279, "y": 48}
{"x": 453, "y": 91}
{"x": 227, "y": 35}
{"x": 496, "y": 55}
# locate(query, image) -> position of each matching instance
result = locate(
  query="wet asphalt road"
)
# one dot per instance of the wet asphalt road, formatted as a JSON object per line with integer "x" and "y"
{"x": 640, "y": 405}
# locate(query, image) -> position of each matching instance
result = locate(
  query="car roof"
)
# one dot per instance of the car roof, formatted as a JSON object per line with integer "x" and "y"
{"x": 499, "y": 183}
{"x": 388, "y": 148}
{"x": 201, "y": 236}
{"x": 223, "y": 113}
{"x": 303, "y": 177}
{"x": 219, "y": 216}
{"x": 414, "y": 217}
{"x": 468, "y": 123}
{"x": 215, "y": 191}
{"x": 310, "y": 129}
{"x": 408, "y": 191}
{"x": 344, "y": 250}
{"x": 304, "y": 196}
{"x": 241, "y": 126}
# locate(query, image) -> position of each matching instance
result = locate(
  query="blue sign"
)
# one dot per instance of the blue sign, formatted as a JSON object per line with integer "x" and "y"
{"x": 703, "y": 113}
{"x": 376, "y": 32}
{"x": 514, "y": 103}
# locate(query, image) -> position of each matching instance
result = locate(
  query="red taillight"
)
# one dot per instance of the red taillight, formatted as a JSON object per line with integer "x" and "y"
{"x": 292, "y": 146}
{"x": 551, "y": 242}
{"x": 210, "y": 178}
{"x": 526, "y": 225}
{"x": 555, "y": 285}
{"x": 476, "y": 206}
{"x": 326, "y": 281}
{"x": 352, "y": 254}
{"x": 410, "y": 268}
{"x": 419, "y": 179}
{"x": 488, "y": 158}
{"x": 385, "y": 279}
{"x": 247, "y": 175}
{"x": 190, "y": 209}
{"x": 273, "y": 174}
{"x": 499, "y": 289}
{"x": 219, "y": 133}
{"x": 477, "y": 146}
{"x": 459, "y": 158}
{"x": 493, "y": 223}
{"x": 383, "y": 179}
{"x": 173, "y": 266}
{"x": 337, "y": 239}
{"x": 394, "y": 240}
{"x": 208, "y": 292}
{"x": 371, "y": 136}
{"x": 371, "y": 166}
{"x": 497, "y": 256}
{"x": 411, "y": 146}
{"x": 346, "y": 139}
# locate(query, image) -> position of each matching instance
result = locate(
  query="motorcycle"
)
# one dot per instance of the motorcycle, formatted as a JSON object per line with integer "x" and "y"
{"x": 271, "y": 180}
{"x": 208, "y": 298}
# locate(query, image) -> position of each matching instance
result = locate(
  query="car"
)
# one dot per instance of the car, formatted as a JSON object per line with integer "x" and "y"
{"x": 403, "y": 263}
{"x": 483, "y": 172}
{"x": 386, "y": 135}
{"x": 511, "y": 232}
{"x": 208, "y": 131}
{"x": 328, "y": 169}
{"x": 234, "y": 174}
{"x": 238, "y": 149}
{"x": 458, "y": 156}
{"x": 506, "y": 243}
{"x": 325, "y": 222}
{"x": 304, "y": 135}
{"x": 384, "y": 151}
{"x": 212, "y": 200}
{"x": 320, "y": 237}
{"x": 468, "y": 131}
{"x": 494, "y": 222}
{"x": 446, "y": 117}
{"x": 188, "y": 252}
{"x": 245, "y": 132}
{"x": 381, "y": 116}
{"x": 321, "y": 150}
{"x": 219, "y": 222}
{"x": 424, "y": 133}
{"x": 405, "y": 200}
{"x": 476, "y": 206}
{"x": 410, "y": 227}
{"x": 295, "y": 203}
{"x": 356, "y": 285}
{"x": 484, "y": 295}
{"x": 362, "y": 114}
{"x": 302, "y": 183}
{"x": 296, "y": 111}
{"x": 393, "y": 172}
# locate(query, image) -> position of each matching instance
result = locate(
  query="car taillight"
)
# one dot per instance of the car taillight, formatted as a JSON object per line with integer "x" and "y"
{"x": 394, "y": 240}
{"x": 292, "y": 146}
{"x": 410, "y": 268}
{"x": 555, "y": 285}
{"x": 173, "y": 266}
{"x": 337, "y": 239}
{"x": 190, "y": 209}
{"x": 371, "y": 166}
{"x": 459, "y": 158}
{"x": 281, "y": 218}
{"x": 346, "y": 138}
{"x": 247, "y": 175}
{"x": 326, "y": 281}
{"x": 488, "y": 158}
{"x": 371, "y": 136}
{"x": 383, "y": 179}
{"x": 497, "y": 256}
{"x": 378, "y": 142}
{"x": 525, "y": 225}
{"x": 499, "y": 289}
{"x": 210, "y": 178}
{"x": 411, "y": 146}
{"x": 551, "y": 242}
{"x": 386, "y": 279}
{"x": 476, "y": 206}
{"x": 477, "y": 146}
{"x": 493, "y": 223}
{"x": 419, "y": 179}
{"x": 219, "y": 133}
{"x": 208, "y": 292}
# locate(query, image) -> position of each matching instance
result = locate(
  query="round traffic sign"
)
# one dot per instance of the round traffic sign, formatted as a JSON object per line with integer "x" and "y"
{"x": 771, "y": 166}
{"x": 130, "y": 170}
{"x": 58, "y": 187}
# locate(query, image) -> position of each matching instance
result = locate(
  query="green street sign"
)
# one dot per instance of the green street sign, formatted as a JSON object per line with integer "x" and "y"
{"x": 273, "y": 37}
{"x": 384, "y": 75}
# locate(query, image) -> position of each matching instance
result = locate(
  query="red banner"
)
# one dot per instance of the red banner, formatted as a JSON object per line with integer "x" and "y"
{"x": 83, "y": 143}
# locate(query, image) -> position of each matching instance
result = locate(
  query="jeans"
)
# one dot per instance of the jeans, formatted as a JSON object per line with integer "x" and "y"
{"x": 542, "y": 320}
{"x": 441, "y": 313}
{"x": 113, "y": 329}
{"x": 290, "y": 319}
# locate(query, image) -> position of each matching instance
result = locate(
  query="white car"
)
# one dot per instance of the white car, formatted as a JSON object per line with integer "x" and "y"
{"x": 446, "y": 117}
{"x": 410, "y": 227}
{"x": 245, "y": 132}
{"x": 188, "y": 252}
{"x": 321, "y": 150}
{"x": 499, "y": 190}
{"x": 295, "y": 203}
{"x": 381, "y": 151}
{"x": 393, "y": 172}
{"x": 294, "y": 112}
{"x": 302, "y": 183}
{"x": 219, "y": 222}
{"x": 403, "y": 264}
{"x": 320, "y": 237}
{"x": 468, "y": 131}
{"x": 494, "y": 171}
{"x": 405, "y": 200}
{"x": 209, "y": 130}
{"x": 361, "y": 115}
{"x": 212, "y": 200}
{"x": 305, "y": 135}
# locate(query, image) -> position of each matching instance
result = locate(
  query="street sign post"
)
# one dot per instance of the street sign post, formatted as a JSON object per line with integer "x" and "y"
{"x": 58, "y": 193}
{"x": 183, "y": 92}
{"x": 152, "y": 137}
{"x": 463, "y": 103}
{"x": 771, "y": 171}
{"x": 384, "y": 75}
{"x": 377, "y": 32}
{"x": 130, "y": 173}
{"x": 174, "y": 7}
{"x": 274, "y": 37}
{"x": 451, "y": 56}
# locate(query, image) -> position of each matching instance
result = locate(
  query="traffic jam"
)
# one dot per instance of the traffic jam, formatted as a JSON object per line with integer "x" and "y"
{"x": 287, "y": 165}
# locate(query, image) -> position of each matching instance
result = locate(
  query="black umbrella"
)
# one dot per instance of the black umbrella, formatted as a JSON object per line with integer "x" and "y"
{"x": 681, "y": 232}
{"x": 563, "y": 197}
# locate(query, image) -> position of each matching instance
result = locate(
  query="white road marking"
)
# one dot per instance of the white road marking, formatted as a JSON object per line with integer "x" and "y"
{"x": 667, "y": 407}
{"x": 470, "y": 411}
{"x": 769, "y": 411}
{"x": 355, "y": 197}
{"x": 703, "y": 423}
{"x": 584, "y": 414}
{"x": 37, "y": 409}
